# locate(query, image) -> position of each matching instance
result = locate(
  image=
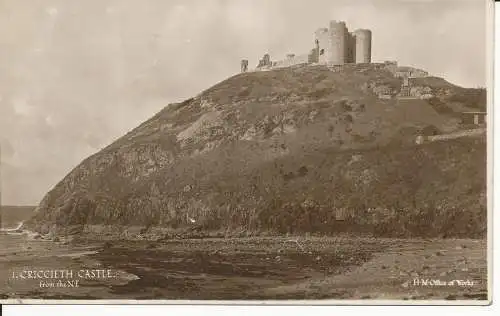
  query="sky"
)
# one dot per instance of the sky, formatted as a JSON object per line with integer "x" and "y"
{"x": 77, "y": 74}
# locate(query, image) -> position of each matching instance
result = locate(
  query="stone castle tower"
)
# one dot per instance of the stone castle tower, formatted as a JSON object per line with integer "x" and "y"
{"x": 363, "y": 46}
{"x": 333, "y": 46}
{"x": 337, "y": 46}
{"x": 337, "y": 43}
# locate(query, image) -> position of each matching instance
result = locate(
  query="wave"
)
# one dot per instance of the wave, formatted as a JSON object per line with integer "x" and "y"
{"x": 15, "y": 229}
{"x": 19, "y": 230}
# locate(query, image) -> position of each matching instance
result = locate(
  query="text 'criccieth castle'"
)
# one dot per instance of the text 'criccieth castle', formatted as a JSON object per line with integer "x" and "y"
{"x": 332, "y": 46}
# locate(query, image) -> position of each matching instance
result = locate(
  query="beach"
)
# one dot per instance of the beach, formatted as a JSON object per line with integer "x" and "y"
{"x": 243, "y": 269}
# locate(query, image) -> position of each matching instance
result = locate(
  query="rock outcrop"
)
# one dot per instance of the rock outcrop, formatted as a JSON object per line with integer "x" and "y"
{"x": 280, "y": 151}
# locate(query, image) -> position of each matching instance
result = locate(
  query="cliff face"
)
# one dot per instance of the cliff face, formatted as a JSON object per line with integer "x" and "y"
{"x": 282, "y": 151}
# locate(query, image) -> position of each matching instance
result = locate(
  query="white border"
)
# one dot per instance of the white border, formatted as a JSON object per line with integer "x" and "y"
{"x": 48, "y": 306}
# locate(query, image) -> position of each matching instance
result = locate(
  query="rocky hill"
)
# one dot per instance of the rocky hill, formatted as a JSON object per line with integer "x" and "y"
{"x": 293, "y": 150}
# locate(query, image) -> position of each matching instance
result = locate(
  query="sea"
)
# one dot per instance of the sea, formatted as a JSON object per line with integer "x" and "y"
{"x": 35, "y": 267}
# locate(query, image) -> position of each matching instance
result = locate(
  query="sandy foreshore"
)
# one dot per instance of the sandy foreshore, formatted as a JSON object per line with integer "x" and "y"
{"x": 254, "y": 268}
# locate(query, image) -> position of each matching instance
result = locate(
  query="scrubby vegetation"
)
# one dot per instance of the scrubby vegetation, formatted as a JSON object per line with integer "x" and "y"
{"x": 290, "y": 151}
{"x": 473, "y": 98}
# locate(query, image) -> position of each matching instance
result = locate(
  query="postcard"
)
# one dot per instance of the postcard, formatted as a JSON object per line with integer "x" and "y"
{"x": 245, "y": 151}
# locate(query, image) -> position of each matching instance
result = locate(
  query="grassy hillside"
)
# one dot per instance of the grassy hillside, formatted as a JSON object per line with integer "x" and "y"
{"x": 284, "y": 151}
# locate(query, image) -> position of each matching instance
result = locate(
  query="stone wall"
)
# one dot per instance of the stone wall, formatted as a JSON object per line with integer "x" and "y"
{"x": 313, "y": 57}
{"x": 265, "y": 61}
{"x": 351, "y": 48}
{"x": 321, "y": 36}
{"x": 468, "y": 133}
{"x": 384, "y": 91}
{"x": 476, "y": 118}
{"x": 333, "y": 46}
{"x": 244, "y": 65}
{"x": 409, "y": 72}
{"x": 291, "y": 60}
{"x": 422, "y": 92}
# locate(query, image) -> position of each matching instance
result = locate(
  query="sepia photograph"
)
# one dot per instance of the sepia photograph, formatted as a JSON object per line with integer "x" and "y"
{"x": 246, "y": 151}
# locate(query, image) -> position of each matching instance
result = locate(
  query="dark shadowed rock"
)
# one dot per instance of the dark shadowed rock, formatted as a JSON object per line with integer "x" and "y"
{"x": 273, "y": 152}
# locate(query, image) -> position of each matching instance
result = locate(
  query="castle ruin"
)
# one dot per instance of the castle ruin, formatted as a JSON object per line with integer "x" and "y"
{"x": 333, "y": 46}
{"x": 244, "y": 65}
{"x": 339, "y": 49}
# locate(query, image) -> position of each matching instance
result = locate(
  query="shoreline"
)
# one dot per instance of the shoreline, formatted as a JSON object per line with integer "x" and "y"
{"x": 256, "y": 268}
{"x": 161, "y": 233}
